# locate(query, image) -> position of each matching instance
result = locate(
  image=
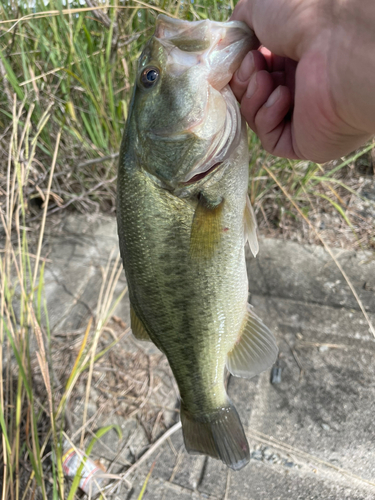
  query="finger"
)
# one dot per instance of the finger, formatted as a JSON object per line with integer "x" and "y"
{"x": 280, "y": 26}
{"x": 258, "y": 91}
{"x": 290, "y": 75}
{"x": 252, "y": 62}
{"x": 274, "y": 62}
{"x": 278, "y": 63}
{"x": 272, "y": 125}
{"x": 278, "y": 78}
{"x": 243, "y": 12}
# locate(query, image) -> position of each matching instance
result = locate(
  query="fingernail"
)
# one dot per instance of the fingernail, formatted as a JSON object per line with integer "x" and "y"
{"x": 251, "y": 88}
{"x": 246, "y": 68}
{"x": 273, "y": 97}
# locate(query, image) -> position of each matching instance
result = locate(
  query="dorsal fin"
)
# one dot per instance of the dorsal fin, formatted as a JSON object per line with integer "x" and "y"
{"x": 138, "y": 329}
{"x": 255, "y": 349}
{"x": 251, "y": 227}
{"x": 206, "y": 229}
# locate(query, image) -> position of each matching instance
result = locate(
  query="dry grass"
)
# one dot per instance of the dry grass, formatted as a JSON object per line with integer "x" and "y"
{"x": 42, "y": 376}
{"x": 337, "y": 198}
{"x": 65, "y": 80}
{"x": 75, "y": 68}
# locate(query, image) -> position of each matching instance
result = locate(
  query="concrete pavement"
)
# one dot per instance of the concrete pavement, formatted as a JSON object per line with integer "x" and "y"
{"x": 312, "y": 436}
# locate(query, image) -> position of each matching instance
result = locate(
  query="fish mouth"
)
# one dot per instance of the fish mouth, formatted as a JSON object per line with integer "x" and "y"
{"x": 200, "y": 58}
{"x": 219, "y": 46}
{"x": 198, "y": 177}
{"x": 210, "y": 52}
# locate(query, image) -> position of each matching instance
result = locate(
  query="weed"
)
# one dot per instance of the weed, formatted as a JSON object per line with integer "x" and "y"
{"x": 74, "y": 67}
{"x": 65, "y": 80}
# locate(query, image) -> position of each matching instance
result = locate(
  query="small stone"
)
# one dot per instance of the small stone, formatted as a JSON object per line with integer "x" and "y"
{"x": 326, "y": 427}
{"x": 289, "y": 464}
{"x": 257, "y": 455}
{"x": 276, "y": 375}
{"x": 267, "y": 453}
{"x": 323, "y": 348}
{"x": 91, "y": 409}
{"x": 273, "y": 458}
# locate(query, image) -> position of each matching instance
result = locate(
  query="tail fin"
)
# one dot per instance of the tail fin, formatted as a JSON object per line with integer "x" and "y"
{"x": 219, "y": 435}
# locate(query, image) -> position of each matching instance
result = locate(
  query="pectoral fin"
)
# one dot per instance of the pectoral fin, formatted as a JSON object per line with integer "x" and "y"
{"x": 138, "y": 329}
{"x": 206, "y": 229}
{"x": 251, "y": 228}
{"x": 255, "y": 350}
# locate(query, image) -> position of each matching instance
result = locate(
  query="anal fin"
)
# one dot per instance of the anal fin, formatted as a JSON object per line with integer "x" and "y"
{"x": 138, "y": 329}
{"x": 251, "y": 227}
{"x": 255, "y": 349}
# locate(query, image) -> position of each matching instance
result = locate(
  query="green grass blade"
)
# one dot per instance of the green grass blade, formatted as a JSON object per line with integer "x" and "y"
{"x": 337, "y": 207}
{"x": 39, "y": 294}
{"x": 12, "y": 77}
{"x": 19, "y": 362}
{"x": 143, "y": 490}
{"x": 101, "y": 432}
{"x": 5, "y": 433}
{"x": 349, "y": 160}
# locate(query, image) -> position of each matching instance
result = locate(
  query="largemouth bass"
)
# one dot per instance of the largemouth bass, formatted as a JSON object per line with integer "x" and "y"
{"x": 183, "y": 219}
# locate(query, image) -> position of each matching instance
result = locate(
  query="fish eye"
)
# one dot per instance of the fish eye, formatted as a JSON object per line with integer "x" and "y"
{"x": 149, "y": 76}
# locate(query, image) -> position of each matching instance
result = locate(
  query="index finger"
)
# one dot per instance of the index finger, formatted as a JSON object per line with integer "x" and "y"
{"x": 285, "y": 28}
{"x": 243, "y": 11}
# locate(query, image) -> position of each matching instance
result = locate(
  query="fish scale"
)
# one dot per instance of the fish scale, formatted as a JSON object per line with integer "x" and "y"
{"x": 183, "y": 218}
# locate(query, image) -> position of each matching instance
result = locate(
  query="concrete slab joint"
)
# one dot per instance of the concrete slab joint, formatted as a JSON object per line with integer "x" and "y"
{"x": 312, "y": 435}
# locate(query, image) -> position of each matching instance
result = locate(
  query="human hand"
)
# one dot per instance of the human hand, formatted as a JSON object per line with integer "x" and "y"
{"x": 310, "y": 93}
